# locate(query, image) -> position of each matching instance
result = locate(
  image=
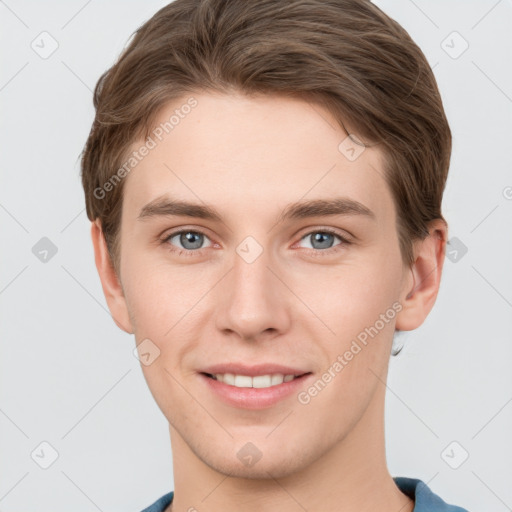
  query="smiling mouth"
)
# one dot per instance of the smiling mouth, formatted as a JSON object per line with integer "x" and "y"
{"x": 259, "y": 381}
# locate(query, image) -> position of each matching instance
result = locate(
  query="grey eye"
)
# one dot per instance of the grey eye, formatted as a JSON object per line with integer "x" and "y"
{"x": 320, "y": 239}
{"x": 189, "y": 240}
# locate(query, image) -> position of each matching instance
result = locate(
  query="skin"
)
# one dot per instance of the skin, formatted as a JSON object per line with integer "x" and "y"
{"x": 249, "y": 158}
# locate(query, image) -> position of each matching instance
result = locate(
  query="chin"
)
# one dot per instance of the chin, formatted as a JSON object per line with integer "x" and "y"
{"x": 267, "y": 470}
{"x": 250, "y": 463}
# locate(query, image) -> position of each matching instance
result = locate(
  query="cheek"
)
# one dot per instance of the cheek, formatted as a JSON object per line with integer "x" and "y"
{"x": 164, "y": 299}
{"x": 359, "y": 303}
{"x": 352, "y": 297}
{"x": 153, "y": 296}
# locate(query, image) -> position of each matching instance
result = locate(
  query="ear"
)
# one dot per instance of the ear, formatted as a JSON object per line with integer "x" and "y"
{"x": 110, "y": 283}
{"x": 420, "y": 290}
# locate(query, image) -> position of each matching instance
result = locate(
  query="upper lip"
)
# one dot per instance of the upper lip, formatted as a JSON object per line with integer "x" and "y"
{"x": 253, "y": 370}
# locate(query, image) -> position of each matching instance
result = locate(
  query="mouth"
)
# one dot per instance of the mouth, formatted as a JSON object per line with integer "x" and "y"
{"x": 257, "y": 381}
{"x": 254, "y": 388}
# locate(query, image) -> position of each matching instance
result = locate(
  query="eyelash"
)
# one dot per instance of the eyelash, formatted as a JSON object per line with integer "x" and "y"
{"x": 316, "y": 252}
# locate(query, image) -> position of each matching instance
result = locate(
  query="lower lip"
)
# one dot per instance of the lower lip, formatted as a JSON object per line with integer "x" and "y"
{"x": 254, "y": 398}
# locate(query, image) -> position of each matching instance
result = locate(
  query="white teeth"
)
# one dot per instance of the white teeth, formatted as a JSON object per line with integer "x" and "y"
{"x": 277, "y": 379}
{"x": 243, "y": 381}
{"x": 261, "y": 381}
{"x": 229, "y": 378}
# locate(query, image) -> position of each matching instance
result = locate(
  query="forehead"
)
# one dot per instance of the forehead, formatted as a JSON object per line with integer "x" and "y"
{"x": 244, "y": 153}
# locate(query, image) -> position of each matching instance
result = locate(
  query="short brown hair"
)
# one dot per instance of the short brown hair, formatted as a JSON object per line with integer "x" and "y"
{"x": 345, "y": 55}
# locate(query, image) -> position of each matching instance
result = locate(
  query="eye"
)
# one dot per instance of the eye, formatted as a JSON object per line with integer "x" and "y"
{"x": 190, "y": 242}
{"x": 322, "y": 240}
{"x": 186, "y": 240}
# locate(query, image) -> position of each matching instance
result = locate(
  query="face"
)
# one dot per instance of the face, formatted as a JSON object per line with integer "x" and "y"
{"x": 253, "y": 248}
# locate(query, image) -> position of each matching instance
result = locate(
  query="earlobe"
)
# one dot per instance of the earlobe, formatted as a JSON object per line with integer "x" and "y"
{"x": 110, "y": 282}
{"x": 419, "y": 298}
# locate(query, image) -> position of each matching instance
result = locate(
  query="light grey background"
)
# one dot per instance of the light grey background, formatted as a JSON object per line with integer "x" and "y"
{"x": 68, "y": 374}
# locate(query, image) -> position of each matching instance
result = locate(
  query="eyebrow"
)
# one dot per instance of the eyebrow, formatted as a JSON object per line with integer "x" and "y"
{"x": 165, "y": 206}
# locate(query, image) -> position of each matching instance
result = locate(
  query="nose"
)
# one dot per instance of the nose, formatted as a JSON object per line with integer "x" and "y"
{"x": 252, "y": 301}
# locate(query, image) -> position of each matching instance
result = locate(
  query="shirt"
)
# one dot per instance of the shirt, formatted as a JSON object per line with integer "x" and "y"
{"x": 424, "y": 499}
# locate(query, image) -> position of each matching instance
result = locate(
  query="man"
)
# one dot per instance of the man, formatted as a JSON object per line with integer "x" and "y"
{"x": 264, "y": 181}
